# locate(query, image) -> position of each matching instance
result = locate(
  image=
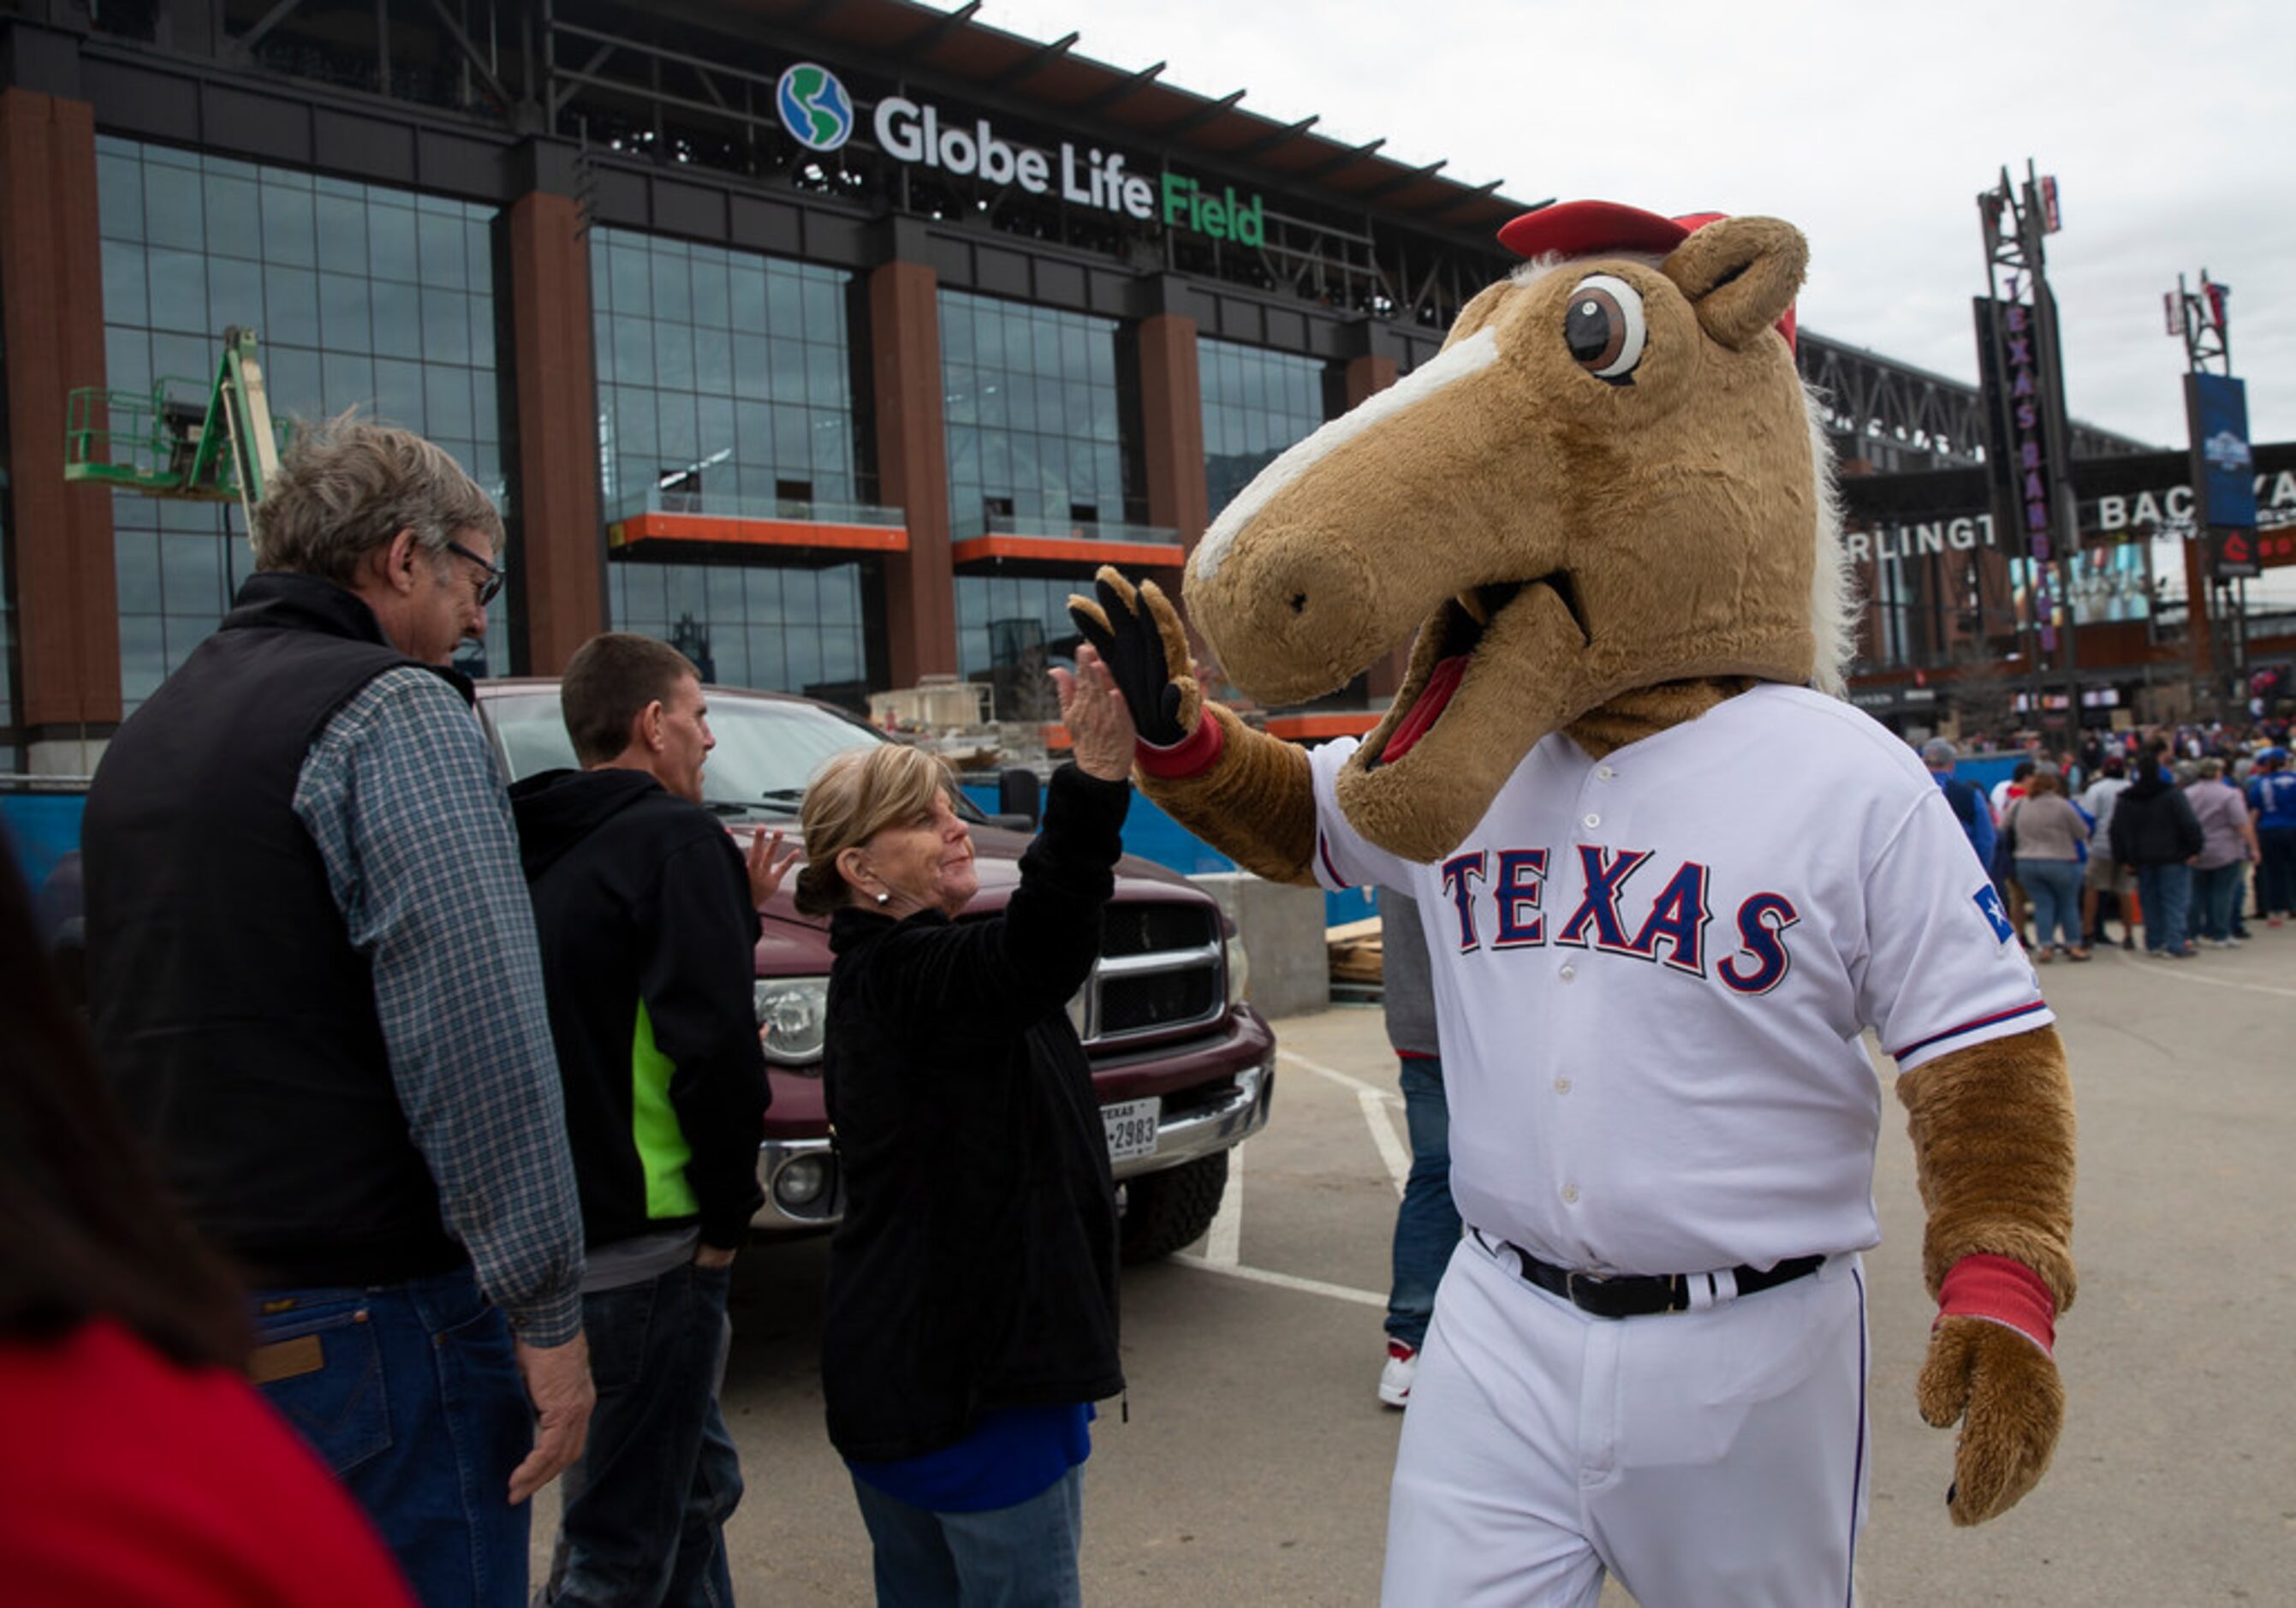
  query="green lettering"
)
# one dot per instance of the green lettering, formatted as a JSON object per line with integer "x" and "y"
{"x": 1216, "y": 219}
{"x": 1251, "y": 220}
{"x": 1176, "y": 197}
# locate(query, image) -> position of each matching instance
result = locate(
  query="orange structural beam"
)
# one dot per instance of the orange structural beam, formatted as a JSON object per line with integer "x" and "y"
{"x": 1072, "y": 549}
{"x": 728, "y": 531}
{"x": 1312, "y": 728}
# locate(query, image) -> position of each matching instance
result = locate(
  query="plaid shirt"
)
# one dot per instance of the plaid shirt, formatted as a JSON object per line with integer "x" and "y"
{"x": 403, "y": 801}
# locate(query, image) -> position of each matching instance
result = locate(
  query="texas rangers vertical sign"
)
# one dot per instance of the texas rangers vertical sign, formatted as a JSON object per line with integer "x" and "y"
{"x": 2224, "y": 472}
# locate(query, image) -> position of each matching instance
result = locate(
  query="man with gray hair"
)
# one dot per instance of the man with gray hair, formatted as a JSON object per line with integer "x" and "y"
{"x": 1969, "y": 804}
{"x": 315, "y": 986}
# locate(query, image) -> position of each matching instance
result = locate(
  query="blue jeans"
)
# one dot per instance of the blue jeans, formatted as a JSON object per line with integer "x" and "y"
{"x": 1426, "y": 1224}
{"x": 2166, "y": 893}
{"x": 2275, "y": 882}
{"x": 1022, "y": 1556}
{"x": 413, "y": 1397}
{"x": 2055, "y": 887}
{"x": 2214, "y": 889}
{"x": 645, "y": 1510}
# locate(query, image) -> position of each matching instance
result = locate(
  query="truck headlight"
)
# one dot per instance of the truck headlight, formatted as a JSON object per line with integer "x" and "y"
{"x": 1239, "y": 970}
{"x": 792, "y": 1018}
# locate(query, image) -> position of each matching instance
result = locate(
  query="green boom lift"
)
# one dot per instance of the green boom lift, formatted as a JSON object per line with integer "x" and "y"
{"x": 172, "y": 443}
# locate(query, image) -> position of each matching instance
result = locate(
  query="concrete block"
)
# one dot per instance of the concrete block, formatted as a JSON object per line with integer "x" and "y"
{"x": 1282, "y": 928}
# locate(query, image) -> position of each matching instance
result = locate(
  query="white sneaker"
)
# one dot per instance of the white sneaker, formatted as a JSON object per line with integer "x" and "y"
{"x": 1395, "y": 1378}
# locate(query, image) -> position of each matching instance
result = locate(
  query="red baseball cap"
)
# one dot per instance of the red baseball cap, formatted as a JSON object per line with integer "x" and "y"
{"x": 1584, "y": 228}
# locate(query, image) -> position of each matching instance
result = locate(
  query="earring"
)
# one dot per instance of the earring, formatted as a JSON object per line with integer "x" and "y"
{"x": 884, "y": 899}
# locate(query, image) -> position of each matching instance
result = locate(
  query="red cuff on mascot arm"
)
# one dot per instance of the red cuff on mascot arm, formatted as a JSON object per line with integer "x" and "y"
{"x": 2001, "y": 1291}
{"x": 1191, "y": 756}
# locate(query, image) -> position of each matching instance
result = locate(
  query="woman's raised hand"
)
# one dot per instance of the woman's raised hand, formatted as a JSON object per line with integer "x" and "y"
{"x": 1099, "y": 721}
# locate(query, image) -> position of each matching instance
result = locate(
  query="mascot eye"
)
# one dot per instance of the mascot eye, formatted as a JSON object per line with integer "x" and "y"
{"x": 1604, "y": 329}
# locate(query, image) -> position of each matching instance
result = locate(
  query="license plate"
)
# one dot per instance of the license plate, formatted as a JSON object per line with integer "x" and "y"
{"x": 1131, "y": 1126}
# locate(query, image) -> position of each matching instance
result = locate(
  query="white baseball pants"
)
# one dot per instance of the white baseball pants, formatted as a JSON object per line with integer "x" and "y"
{"x": 1708, "y": 1458}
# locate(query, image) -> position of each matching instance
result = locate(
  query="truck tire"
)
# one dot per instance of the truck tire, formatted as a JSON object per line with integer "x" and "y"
{"x": 1165, "y": 1210}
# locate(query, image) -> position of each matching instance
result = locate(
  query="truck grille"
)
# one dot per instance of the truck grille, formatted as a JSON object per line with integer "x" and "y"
{"x": 1161, "y": 967}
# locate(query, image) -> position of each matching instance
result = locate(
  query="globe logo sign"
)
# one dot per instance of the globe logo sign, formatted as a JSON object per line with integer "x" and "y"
{"x": 815, "y": 107}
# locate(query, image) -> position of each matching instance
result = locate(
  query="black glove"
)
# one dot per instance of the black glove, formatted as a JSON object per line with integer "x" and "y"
{"x": 1128, "y": 640}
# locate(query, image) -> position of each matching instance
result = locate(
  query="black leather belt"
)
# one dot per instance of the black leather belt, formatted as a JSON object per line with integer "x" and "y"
{"x": 1644, "y": 1294}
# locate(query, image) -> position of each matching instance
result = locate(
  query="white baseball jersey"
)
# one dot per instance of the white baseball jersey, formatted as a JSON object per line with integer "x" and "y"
{"x": 1652, "y": 974}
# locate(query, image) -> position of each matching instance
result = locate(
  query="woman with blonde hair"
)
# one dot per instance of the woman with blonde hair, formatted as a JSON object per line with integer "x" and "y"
{"x": 970, "y": 1316}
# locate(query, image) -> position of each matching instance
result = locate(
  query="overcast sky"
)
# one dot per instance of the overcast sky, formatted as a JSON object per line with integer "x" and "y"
{"x": 2166, "y": 126}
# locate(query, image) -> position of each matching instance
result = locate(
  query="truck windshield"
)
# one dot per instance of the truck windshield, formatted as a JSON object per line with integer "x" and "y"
{"x": 768, "y": 748}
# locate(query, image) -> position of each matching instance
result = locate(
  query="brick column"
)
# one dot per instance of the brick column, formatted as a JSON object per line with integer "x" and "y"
{"x": 51, "y": 275}
{"x": 1172, "y": 426}
{"x": 913, "y": 468}
{"x": 1366, "y": 377}
{"x": 558, "y": 596}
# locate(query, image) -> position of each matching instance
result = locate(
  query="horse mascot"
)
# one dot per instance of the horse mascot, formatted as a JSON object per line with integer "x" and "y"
{"x": 1670, "y": 882}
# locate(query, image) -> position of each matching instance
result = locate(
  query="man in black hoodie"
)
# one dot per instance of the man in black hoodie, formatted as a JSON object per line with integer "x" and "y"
{"x": 2155, "y": 831}
{"x": 648, "y": 919}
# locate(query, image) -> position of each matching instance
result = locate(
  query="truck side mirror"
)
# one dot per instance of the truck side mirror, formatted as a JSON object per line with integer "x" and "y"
{"x": 1020, "y": 793}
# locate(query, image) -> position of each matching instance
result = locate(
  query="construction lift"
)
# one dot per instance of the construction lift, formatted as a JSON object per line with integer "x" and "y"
{"x": 172, "y": 442}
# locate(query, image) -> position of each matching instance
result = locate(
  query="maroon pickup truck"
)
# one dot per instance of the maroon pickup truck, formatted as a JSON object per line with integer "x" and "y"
{"x": 1185, "y": 1067}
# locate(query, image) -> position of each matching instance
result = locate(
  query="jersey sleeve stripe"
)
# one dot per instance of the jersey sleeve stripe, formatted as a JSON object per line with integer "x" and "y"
{"x": 1323, "y": 852}
{"x": 1995, "y": 1020}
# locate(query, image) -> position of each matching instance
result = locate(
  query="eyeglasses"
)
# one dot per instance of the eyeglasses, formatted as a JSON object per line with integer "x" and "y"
{"x": 491, "y": 587}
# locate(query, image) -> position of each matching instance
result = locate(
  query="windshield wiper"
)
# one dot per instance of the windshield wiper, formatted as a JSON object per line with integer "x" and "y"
{"x": 731, "y": 806}
{"x": 782, "y": 795}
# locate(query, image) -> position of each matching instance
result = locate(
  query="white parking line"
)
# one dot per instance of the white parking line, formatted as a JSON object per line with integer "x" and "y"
{"x": 1222, "y": 1242}
{"x": 1336, "y": 1076}
{"x": 1391, "y": 1150}
{"x": 1285, "y": 1281}
{"x": 2183, "y": 971}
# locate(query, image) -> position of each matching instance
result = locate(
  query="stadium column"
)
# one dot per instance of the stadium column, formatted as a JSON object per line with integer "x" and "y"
{"x": 913, "y": 462}
{"x": 1172, "y": 428}
{"x": 1366, "y": 377}
{"x": 559, "y": 600}
{"x": 66, "y": 584}
{"x": 2200, "y": 622}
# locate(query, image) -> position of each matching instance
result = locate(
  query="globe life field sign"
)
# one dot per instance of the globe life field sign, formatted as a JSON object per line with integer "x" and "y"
{"x": 818, "y": 113}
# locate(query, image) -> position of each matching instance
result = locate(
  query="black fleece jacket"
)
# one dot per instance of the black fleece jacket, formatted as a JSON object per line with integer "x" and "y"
{"x": 2153, "y": 823}
{"x": 976, "y": 1266}
{"x": 648, "y": 942}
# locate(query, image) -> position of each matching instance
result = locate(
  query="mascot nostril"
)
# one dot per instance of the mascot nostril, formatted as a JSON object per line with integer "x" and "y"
{"x": 1669, "y": 881}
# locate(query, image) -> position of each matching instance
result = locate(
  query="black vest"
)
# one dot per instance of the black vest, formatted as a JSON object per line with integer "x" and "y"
{"x": 234, "y": 1017}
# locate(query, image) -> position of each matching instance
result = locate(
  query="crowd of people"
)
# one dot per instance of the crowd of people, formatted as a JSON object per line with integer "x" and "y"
{"x": 427, "y": 1114}
{"x": 2186, "y": 834}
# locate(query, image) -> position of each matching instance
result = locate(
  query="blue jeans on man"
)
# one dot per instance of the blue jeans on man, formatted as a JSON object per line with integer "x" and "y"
{"x": 2215, "y": 888}
{"x": 1021, "y": 1557}
{"x": 645, "y": 1509}
{"x": 2166, "y": 893}
{"x": 1427, "y": 1223}
{"x": 411, "y": 1394}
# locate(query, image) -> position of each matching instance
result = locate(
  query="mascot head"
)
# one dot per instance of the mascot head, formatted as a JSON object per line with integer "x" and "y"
{"x": 1610, "y": 479}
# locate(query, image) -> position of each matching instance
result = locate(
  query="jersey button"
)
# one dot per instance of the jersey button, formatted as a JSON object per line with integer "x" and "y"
{"x": 1562, "y": 1086}
{"x": 1591, "y": 819}
{"x": 1570, "y": 1195}
{"x": 1567, "y": 973}
{"x": 1604, "y": 772}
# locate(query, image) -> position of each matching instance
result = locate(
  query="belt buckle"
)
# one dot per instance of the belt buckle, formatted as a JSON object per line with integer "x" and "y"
{"x": 1572, "y": 1278}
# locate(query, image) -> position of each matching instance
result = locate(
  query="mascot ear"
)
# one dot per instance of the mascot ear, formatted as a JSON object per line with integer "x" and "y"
{"x": 1740, "y": 275}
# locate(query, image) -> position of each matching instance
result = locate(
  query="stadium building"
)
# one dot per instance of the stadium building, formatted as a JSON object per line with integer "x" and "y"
{"x": 833, "y": 340}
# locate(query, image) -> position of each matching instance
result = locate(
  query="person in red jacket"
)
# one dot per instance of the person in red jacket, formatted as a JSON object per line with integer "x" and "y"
{"x": 139, "y": 1469}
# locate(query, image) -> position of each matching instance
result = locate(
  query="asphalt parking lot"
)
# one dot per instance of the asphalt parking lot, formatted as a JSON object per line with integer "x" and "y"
{"x": 1249, "y": 1463}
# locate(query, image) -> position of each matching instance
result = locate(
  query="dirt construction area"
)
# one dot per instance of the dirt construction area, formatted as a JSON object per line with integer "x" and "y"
{"x": 1249, "y": 1463}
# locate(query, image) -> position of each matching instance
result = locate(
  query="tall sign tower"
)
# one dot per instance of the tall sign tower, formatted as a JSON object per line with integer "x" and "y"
{"x": 2224, "y": 482}
{"x": 2027, "y": 446}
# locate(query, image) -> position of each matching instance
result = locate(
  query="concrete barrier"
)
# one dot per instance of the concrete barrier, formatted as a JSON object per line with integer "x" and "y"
{"x": 1283, "y": 929}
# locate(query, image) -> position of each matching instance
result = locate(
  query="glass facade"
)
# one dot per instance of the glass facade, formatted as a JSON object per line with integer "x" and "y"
{"x": 1037, "y": 444}
{"x": 1034, "y": 413}
{"x": 1256, "y": 404}
{"x": 726, "y": 386}
{"x": 365, "y": 297}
